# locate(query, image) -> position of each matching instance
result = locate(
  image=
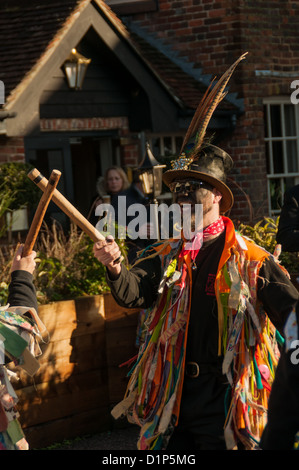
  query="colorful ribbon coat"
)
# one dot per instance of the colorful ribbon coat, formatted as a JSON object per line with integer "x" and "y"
{"x": 248, "y": 343}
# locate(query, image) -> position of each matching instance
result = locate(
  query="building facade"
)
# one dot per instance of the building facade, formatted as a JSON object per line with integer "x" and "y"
{"x": 151, "y": 62}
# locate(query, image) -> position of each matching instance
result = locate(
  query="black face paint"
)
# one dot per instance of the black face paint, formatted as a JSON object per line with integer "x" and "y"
{"x": 197, "y": 196}
{"x": 188, "y": 186}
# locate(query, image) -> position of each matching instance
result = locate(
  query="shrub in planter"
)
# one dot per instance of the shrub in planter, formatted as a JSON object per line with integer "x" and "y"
{"x": 16, "y": 190}
{"x": 13, "y": 176}
{"x": 263, "y": 233}
{"x": 66, "y": 267}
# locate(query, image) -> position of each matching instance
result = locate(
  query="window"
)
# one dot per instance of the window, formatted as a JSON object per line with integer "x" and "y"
{"x": 165, "y": 146}
{"x": 282, "y": 149}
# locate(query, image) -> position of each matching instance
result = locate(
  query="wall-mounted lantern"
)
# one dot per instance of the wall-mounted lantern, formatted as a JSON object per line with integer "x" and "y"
{"x": 75, "y": 68}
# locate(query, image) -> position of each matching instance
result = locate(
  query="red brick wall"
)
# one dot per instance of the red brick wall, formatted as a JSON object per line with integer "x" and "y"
{"x": 213, "y": 34}
{"x": 270, "y": 34}
{"x": 203, "y": 30}
{"x": 11, "y": 149}
{"x": 130, "y": 155}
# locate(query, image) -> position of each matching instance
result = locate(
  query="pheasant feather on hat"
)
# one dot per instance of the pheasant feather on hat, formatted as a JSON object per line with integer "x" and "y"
{"x": 190, "y": 162}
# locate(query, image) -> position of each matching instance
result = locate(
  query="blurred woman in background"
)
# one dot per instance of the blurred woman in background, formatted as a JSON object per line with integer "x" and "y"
{"x": 114, "y": 181}
{"x": 114, "y": 184}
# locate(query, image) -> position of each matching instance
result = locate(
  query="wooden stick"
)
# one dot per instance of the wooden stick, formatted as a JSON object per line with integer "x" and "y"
{"x": 40, "y": 212}
{"x": 66, "y": 207}
{"x": 69, "y": 209}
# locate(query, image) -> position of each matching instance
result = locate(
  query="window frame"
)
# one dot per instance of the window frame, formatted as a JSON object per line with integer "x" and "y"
{"x": 269, "y": 139}
{"x": 171, "y": 135}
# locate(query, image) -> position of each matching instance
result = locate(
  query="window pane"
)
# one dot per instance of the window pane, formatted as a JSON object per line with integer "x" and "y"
{"x": 291, "y": 147}
{"x": 290, "y": 123}
{"x": 289, "y": 183}
{"x": 277, "y": 157}
{"x": 266, "y": 121}
{"x": 275, "y": 194}
{"x": 156, "y": 147}
{"x": 167, "y": 146}
{"x": 269, "y": 167}
{"x": 275, "y": 120}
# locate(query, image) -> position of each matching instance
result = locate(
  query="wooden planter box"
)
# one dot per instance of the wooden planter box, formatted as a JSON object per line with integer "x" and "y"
{"x": 79, "y": 379}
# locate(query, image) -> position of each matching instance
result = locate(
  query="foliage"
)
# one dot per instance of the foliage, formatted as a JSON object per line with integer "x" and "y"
{"x": 16, "y": 190}
{"x": 6, "y": 258}
{"x": 66, "y": 267}
{"x": 6, "y": 201}
{"x": 263, "y": 233}
{"x": 14, "y": 183}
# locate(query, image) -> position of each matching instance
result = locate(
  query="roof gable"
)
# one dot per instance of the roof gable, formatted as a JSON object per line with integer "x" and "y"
{"x": 43, "y": 35}
{"x": 28, "y": 32}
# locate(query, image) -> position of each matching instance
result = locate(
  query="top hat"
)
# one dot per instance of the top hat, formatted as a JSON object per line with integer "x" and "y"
{"x": 211, "y": 166}
{"x": 199, "y": 160}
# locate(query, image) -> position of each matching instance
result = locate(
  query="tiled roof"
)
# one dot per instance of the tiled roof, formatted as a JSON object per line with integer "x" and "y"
{"x": 26, "y": 30}
{"x": 181, "y": 85}
{"x": 29, "y": 29}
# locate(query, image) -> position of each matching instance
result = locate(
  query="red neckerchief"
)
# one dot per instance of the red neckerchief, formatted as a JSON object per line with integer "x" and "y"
{"x": 195, "y": 245}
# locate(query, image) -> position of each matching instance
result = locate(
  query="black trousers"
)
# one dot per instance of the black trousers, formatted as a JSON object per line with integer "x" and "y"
{"x": 202, "y": 415}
